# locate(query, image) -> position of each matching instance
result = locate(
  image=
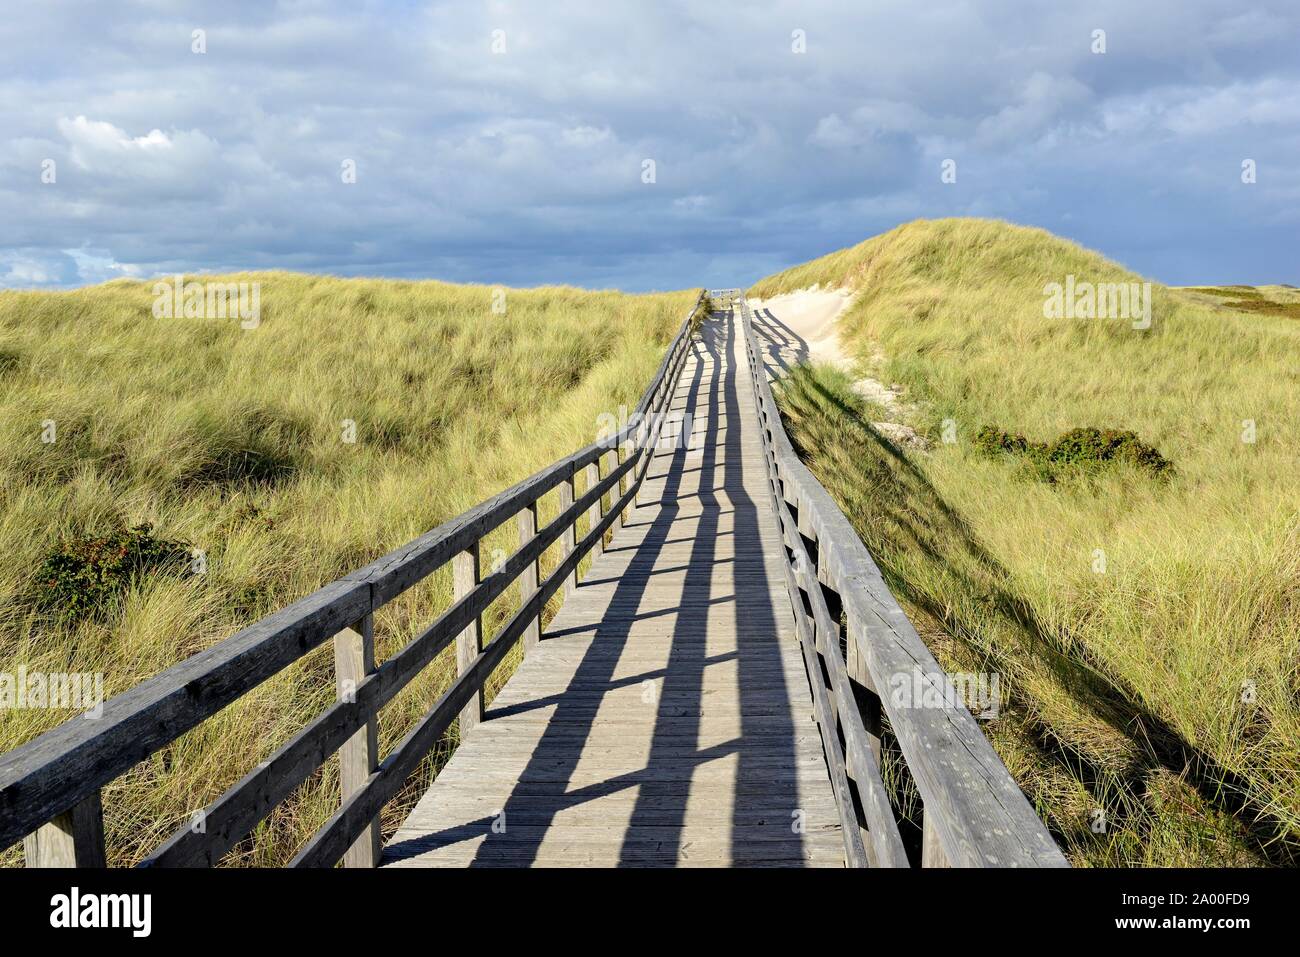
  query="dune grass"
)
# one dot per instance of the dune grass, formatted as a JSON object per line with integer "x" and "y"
{"x": 1148, "y": 627}
{"x": 233, "y": 441}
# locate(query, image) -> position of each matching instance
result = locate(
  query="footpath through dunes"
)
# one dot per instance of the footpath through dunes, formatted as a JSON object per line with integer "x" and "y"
{"x": 665, "y": 718}
{"x": 720, "y": 688}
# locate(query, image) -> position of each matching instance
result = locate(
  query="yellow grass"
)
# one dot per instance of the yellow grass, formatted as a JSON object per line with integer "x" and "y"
{"x": 231, "y": 440}
{"x": 1164, "y": 689}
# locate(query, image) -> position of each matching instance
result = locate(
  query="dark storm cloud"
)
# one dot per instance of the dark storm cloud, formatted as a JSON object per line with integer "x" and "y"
{"x": 525, "y": 166}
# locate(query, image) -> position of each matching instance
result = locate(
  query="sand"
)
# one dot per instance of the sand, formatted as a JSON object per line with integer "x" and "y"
{"x": 803, "y": 327}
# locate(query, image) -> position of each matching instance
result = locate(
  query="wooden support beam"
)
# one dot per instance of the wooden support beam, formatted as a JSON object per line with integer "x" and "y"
{"x": 569, "y": 539}
{"x": 74, "y": 838}
{"x": 528, "y": 577}
{"x": 465, "y": 578}
{"x": 617, "y": 491}
{"x": 597, "y": 511}
{"x": 469, "y": 642}
{"x": 354, "y": 659}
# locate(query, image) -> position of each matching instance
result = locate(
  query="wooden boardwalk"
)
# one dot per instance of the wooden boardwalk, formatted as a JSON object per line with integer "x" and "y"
{"x": 720, "y": 689}
{"x": 665, "y": 718}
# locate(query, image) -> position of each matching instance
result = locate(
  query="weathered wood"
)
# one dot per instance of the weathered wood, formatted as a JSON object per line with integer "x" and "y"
{"x": 354, "y": 661}
{"x": 327, "y": 844}
{"x": 233, "y": 815}
{"x": 618, "y": 517}
{"x": 567, "y": 540}
{"x": 594, "y": 514}
{"x": 528, "y": 577}
{"x": 69, "y": 763}
{"x": 885, "y": 845}
{"x": 74, "y": 838}
{"x": 665, "y": 718}
{"x": 470, "y": 641}
{"x": 979, "y": 816}
{"x": 931, "y": 844}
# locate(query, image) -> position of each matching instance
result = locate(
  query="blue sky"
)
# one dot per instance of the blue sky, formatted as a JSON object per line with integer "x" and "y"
{"x": 505, "y": 142}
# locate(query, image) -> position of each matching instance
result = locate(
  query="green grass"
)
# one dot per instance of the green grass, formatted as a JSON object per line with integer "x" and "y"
{"x": 1125, "y": 611}
{"x": 232, "y": 441}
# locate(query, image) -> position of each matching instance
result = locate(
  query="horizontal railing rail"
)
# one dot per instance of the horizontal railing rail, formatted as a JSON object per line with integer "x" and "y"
{"x": 973, "y": 813}
{"x": 50, "y": 787}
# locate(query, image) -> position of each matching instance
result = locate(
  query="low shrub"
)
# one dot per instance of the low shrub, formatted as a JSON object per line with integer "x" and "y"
{"x": 82, "y": 578}
{"x": 1081, "y": 449}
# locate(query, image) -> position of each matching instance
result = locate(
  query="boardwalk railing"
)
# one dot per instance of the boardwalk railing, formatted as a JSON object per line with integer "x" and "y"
{"x": 974, "y": 814}
{"x": 50, "y": 787}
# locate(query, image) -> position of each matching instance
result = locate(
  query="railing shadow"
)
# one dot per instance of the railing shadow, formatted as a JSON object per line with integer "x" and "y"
{"x": 765, "y": 782}
{"x": 777, "y": 340}
{"x": 905, "y": 507}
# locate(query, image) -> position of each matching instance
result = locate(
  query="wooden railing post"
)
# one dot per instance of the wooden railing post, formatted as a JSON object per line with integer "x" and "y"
{"x": 465, "y": 578}
{"x": 569, "y": 540}
{"x": 528, "y": 577}
{"x": 354, "y": 659}
{"x": 74, "y": 838}
{"x": 614, "y": 494}
{"x": 597, "y": 510}
{"x": 868, "y": 698}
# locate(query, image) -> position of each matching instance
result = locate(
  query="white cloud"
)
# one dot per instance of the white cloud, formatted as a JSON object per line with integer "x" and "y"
{"x": 525, "y": 167}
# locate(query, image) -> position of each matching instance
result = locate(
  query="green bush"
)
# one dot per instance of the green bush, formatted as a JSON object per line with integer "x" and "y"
{"x": 993, "y": 441}
{"x": 1081, "y": 449}
{"x": 85, "y": 575}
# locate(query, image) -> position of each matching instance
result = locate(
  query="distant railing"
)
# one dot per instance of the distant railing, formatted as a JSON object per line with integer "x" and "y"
{"x": 974, "y": 814}
{"x": 50, "y": 787}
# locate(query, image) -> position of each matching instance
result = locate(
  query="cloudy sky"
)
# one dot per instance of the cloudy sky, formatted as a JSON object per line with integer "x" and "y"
{"x": 507, "y": 141}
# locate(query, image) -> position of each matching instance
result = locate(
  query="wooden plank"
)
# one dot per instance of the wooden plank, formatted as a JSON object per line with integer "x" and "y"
{"x": 932, "y": 854}
{"x": 72, "y": 839}
{"x": 528, "y": 577}
{"x": 354, "y": 661}
{"x": 595, "y": 513}
{"x": 568, "y": 539}
{"x": 328, "y": 843}
{"x": 470, "y": 641}
{"x": 617, "y": 526}
{"x": 665, "y": 718}
{"x": 69, "y": 763}
{"x": 883, "y": 843}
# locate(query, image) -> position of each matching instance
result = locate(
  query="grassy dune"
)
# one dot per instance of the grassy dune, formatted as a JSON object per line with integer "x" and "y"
{"x": 232, "y": 441}
{"x": 1148, "y": 629}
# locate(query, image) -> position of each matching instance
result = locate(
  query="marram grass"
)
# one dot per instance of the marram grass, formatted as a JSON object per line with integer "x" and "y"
{"x": 232, "y": 440}
{"x": 1148, "y": 628}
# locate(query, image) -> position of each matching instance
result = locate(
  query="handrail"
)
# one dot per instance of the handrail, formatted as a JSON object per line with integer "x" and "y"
{"x": 50, "y": 786}
{"x": 974, "y": 814}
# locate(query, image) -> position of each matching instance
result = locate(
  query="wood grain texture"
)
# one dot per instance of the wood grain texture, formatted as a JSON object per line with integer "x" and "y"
{"x": 665, "y": 718}
{"x": 465, "y": 578}
{"x": 72, "y": 839}
{"x": 354, "y": 661}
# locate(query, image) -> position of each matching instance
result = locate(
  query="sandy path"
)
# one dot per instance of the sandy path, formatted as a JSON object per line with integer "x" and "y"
{"x": 803, "y": 327}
